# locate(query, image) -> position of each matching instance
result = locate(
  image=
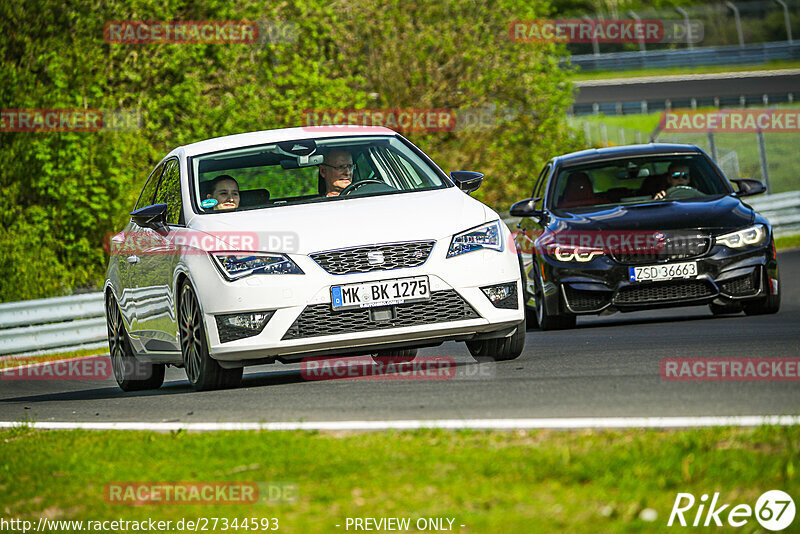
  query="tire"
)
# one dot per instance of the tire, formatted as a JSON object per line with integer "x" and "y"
{"x": 547, "y": 320}
{"x": 130, "y": 373}
{"x": 203, "y": 371}
{"x": 765, "y": 305}
{"x": 500, "y": 349}
{"x": 395, "y": 356}
{"x": 729, "y": 309}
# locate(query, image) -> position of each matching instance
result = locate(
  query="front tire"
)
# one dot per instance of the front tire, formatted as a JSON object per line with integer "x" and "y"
{"x": 203, "y": 371}
{"x": 500, "y": 349}
{"x": 130, "y": 373}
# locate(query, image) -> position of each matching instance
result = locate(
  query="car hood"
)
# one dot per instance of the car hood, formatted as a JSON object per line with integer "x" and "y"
{"x": 713, "y": 215}
{"x": 307, "y": 228}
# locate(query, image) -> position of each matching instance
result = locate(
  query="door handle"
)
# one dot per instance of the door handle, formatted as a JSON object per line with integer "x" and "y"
{"x": 133, "y": 260}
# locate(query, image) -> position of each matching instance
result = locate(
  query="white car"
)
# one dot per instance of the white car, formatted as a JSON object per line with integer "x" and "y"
{"x": 211, "y": 279}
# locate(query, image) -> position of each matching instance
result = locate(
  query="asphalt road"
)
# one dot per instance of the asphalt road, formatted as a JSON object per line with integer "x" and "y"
{"x": 607, "y": 366}
{"x": 688, "y": 86}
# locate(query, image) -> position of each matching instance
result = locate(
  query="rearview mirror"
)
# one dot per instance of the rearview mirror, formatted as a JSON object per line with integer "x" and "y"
{"x": 154, "y": 217}
{"x": 467, "y": 181}
{"x": 526, "y": 208}
{"x": 748, "y": 187}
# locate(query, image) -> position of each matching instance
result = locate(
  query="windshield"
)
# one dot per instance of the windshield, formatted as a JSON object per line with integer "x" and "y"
{"x": 306, "y": 171}
{"x": 636, "y": 180}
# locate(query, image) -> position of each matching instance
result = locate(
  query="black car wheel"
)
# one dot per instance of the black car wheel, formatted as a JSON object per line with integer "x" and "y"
{"x": 395, "y": 356}
{"x": 500, "y": 349}
{"x": 203, "y": 371}
{"x": 547, "y": 320}
{"x": 130, "y": 373}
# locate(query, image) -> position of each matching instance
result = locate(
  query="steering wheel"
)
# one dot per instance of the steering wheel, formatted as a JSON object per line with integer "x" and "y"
{"x": 355, "y": 185}
{"x": 682, "y": 191}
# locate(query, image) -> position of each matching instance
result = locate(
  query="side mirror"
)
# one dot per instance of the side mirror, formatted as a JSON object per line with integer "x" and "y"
{"x": 748, "y": 187}
{"x": 154, "y": 217}
{"x": 467, "y": 181}
{"x": 526, "y": 208}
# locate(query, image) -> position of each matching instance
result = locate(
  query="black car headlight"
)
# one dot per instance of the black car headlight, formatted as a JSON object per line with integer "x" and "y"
{"x": 235, "y": 265}
{"x": 579, "y": 254}
{"x": 748, "y": 237}
{"x": 489, "y": 235}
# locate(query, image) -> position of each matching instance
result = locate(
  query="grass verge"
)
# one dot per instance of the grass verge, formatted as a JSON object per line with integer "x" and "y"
{"x": 787, "y": 241}
{"x": 524, "y": 481}
{"x": 16, "y": 362}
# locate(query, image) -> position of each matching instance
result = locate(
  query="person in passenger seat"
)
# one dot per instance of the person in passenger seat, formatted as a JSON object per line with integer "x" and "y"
{"x": 225, "y": 190}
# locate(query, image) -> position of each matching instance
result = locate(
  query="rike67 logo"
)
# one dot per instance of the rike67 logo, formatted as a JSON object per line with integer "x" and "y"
{"x": 774, "y": 510}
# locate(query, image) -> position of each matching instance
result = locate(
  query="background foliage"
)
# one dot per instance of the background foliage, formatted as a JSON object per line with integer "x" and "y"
{"x": 65, "y": 191}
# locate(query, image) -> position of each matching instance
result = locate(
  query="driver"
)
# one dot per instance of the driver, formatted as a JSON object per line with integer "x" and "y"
{"x": 677, "y": 176}
{"x": 336, "y": 172}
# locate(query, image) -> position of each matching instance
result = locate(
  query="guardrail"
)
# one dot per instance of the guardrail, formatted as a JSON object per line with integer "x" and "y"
{"x": 60, "y": 324}
{"x": 717, "y": 55}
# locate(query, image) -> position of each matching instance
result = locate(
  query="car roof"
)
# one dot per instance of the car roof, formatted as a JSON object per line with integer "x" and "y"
{"x": 279, "y": 135}
{"x": 610, "y": 153}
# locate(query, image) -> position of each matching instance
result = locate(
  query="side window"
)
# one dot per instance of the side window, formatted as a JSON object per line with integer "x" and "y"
{"x": 149, "y": 190}
{"x": 541, "y": 185}
{"x": 169, "y": 192}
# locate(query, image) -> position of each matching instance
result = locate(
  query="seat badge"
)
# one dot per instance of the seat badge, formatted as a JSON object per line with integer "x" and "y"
{"x": 375, "y": 257}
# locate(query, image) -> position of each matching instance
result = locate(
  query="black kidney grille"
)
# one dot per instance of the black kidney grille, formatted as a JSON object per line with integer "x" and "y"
{"x": 357, "y": 260}
{"x": 741, "y": 286}
{"x": 664, "y": 291}
{"x": 579, "y": 300}
{"x": 321, "y": 320}
{"x": 676, "y": 247}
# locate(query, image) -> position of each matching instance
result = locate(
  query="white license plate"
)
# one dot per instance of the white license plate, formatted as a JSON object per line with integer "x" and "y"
{"x": 381, "y": 293}
{"x": 663, "y": 272}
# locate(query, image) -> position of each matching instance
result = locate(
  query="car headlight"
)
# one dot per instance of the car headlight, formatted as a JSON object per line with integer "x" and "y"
{"x": 579, "y": 254}
{"x": 489, "y": 235}
{"x": 238, "y": 265}
{"x": 755, "y": 235}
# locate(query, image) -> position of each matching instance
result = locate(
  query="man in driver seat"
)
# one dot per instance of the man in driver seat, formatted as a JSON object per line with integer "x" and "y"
{"x": 336, "y": 172}
{"x": 678, "y": 183}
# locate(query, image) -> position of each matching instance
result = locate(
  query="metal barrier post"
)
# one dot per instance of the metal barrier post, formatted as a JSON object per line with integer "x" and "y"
{"x": 762, "y": 154}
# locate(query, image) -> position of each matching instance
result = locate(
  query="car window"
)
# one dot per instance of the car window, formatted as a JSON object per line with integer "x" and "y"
{"x": 289, "y": 172}
{"x": 169, "y": 192}
{"x": 149, "y": 189}
{"x": 539, "y": 189}
{"x": 635, "y": 180}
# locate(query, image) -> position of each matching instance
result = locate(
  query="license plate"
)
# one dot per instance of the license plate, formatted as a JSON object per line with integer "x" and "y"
{"x": 663, "y": 272}
{"x": 381, "y": 293}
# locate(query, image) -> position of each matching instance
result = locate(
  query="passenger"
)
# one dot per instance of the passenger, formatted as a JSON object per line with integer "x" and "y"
{"x": 225, "y": 190}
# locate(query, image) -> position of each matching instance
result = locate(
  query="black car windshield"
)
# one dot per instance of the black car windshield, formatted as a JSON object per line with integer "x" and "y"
{"x": 636, "y": 180}
{"x": 306, "y": 171}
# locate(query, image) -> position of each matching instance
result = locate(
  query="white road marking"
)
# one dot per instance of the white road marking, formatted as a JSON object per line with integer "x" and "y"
{"x": 688, "y": 77}
{"x": 452, "y": 424}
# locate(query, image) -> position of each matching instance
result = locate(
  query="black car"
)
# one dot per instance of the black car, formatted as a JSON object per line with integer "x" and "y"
{"x": 640, "y": 227}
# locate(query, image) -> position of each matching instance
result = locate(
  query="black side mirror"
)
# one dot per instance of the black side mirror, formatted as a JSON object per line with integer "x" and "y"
{"x": 526, "y": 208}
{"x": 467, "y": 181}
{"x": 154, "y": 217}
{"x": 748, "y": 187}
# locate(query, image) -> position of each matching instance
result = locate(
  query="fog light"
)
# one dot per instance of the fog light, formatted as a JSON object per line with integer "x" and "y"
{"x": 241, "y": 325}
{"x": 502, "y": 295}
